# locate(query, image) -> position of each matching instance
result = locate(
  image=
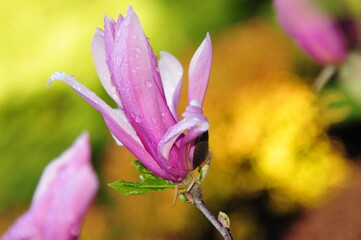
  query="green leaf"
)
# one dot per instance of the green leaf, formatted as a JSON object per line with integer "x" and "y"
{"x": 186, "y": 197}
{"x": 149, "y": 182}
{"x": 224, "y": 219}
{"x": 143, "y": 171}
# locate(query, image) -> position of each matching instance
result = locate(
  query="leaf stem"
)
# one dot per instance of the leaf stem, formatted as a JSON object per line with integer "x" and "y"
{"x": 196, "y": 192}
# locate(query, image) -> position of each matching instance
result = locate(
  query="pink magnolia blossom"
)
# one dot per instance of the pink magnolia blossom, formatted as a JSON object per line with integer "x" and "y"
{"x": 62, "y": 197}
{"x": 147, "y": 95}
{"x": 315, "y": 30}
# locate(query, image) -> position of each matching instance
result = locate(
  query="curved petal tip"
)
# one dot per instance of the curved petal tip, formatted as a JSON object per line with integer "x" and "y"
{"x": 59, "y": 76}
{"x": 130, "y": 11}
{"x": 199, "y": 71}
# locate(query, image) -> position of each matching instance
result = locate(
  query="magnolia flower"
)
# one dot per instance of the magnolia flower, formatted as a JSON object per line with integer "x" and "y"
{"x": 62, "y": 197}
{"x": 147, "y": 95}
{"x": 319, "y": 33}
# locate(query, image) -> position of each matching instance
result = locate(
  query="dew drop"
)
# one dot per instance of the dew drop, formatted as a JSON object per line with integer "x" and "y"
{"x": 137, "y": 119}
{"x": 75, "y": 231}
{"x": 163, "y": 117}
{"x": 149, "y": 84}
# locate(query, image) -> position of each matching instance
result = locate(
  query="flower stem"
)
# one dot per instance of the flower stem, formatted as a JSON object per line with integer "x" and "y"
{"x": 196, "y": 192}
{"x": 325, "y": 75}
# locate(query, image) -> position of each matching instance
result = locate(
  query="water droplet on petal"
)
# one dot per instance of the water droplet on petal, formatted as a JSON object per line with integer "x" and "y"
{"x": 137, "y": 119}
{"x": 149, "y": 84}
{"x": 75, "y": 231}
{"x": 163, "y": 117}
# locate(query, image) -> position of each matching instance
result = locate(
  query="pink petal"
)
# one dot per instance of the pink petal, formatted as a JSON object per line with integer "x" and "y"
{"x": 171, "y": 73}
{"x": 156, "y": 73}
{"x": 314, "y": 30}
{"x": 143, "y": 103}
{"x": 110, "y": 28}
{"x": 56, "y": 212}
{"x": 196, "y": 124}
{"x": 109, "y": 33}
{"x": 77, "y": 155}
{"x": 23, "y": 228}
{"x": 199, "y": 71}
{"x": 100, "y": 62}
{"x": 121, "y": 113}
{"x": 120, "y": 128}
{"x": 65, "y": 180}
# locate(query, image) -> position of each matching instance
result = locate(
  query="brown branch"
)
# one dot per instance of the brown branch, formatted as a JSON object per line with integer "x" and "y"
{"x": 196, "y": 193}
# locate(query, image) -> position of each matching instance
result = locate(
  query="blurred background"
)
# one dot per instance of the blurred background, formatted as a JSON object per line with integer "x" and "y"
{"x": 285, "y": 161}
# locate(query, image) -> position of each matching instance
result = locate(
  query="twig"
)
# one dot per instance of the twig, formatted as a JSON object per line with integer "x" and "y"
{"x": 196, "y": 193}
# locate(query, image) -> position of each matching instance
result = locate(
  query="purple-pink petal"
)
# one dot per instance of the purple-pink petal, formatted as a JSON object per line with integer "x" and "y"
{"x": 199, "y": 71}
{"x": 116, "y": 124}
{"x": 63, "y": 195}
{"x": 315, "y": 31}
{"x": 100, "y": 62}
{"x": 143, "y": 104}
{"x": 196, "y": 124}
{"x": 109, "y": 33}
{"x": 121, "y": 113}
{"x": 171, "y": 73}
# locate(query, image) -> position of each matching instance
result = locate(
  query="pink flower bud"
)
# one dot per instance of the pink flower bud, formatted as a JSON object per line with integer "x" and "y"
{"x": 315, "y": 30}
{"x": 62, "y": 197}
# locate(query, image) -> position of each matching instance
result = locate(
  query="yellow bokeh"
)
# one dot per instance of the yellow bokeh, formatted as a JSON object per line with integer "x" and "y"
{"x": 269, "y": 131}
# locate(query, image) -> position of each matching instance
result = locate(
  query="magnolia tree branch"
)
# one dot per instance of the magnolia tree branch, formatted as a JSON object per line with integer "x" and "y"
{"x": 196, "y": 193}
